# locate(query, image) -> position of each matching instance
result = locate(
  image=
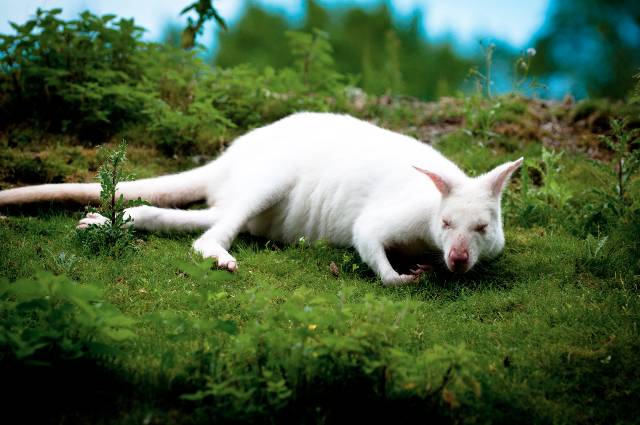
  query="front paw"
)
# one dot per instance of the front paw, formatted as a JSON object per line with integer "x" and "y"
{"x": 92, "y": 218}
{"x": 228, "y": 264}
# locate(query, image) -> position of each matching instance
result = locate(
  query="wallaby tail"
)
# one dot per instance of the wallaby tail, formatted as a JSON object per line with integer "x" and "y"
{"x": 166, "y": 191}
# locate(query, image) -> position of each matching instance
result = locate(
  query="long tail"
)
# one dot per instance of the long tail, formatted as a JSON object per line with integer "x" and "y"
{"x": 166, "y": 191}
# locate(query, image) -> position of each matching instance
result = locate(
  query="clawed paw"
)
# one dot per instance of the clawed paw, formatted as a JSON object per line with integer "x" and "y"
{"x": 409, "y": 278}
{"x": 421, "y": 269}
{"x": 92, "y": 218}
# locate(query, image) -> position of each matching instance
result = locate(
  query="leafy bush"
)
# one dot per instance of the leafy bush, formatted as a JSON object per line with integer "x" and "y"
{"x": 80, "y": 74}
{"x": 94, "y": 77}
{"x": 313, "y": 61}
{"x": 59, "y": 341}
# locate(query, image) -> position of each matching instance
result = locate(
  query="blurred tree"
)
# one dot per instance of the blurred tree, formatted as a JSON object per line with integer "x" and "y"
{"x": 316, "y": 17}
{"x": 206, "y": 12}
{"x": 593, "y": 43}
{"x": 258, "y": 38}
{"x": 390, "y": 56}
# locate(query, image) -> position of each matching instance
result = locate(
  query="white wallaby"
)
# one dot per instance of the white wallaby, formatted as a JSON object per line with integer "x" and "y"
{"x": 325, "y": 177}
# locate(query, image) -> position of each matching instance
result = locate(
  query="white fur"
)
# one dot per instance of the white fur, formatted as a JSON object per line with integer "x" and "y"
{"x": 329, "y": 177}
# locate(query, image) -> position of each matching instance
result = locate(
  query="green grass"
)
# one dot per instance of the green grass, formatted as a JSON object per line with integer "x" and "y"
{"x": 529, "y": 334}
{"x": 547, "y": 333}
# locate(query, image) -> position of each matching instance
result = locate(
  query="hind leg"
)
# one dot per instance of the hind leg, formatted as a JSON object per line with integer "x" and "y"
{"x": 164, "y": 219}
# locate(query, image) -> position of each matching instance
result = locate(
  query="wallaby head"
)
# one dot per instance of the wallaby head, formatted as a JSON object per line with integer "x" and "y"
{"x": 467, "y": 226}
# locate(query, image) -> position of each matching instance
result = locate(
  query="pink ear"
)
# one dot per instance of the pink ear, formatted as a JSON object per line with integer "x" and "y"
{"x": 498, "y": 176}
{"x": 441, "y": 184}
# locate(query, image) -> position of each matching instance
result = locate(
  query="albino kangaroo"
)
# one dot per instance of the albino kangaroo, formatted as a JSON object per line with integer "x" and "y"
{"x": 321, "y": 176}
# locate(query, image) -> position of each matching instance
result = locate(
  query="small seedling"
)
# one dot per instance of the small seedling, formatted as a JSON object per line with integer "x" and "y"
{"x": 116, "y": 236}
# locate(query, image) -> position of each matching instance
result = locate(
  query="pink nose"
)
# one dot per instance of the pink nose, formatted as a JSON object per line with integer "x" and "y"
{"x": 458, "y": 260}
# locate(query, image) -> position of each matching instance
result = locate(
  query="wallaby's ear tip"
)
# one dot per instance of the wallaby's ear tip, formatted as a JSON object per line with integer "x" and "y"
{"x": 514, "y": 165}
{"x": 498, "y": 176}
{"x": 441, "y": 184}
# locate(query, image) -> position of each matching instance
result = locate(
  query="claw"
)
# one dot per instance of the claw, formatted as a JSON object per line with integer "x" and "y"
{"x": 231, "y": 266}
{"x": 422, "y": 268}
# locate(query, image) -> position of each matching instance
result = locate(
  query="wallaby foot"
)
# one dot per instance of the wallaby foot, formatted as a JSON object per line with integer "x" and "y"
{"x": 92, "y": 218}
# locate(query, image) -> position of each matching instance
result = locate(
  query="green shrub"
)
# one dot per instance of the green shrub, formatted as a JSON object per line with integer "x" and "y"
{"x": 80, "y": 74}
{"x": 314, "y": 63}
{"x": 94, "y": 77}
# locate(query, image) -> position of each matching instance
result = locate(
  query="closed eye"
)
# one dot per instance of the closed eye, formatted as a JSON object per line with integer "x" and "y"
{"x": 481, "y": 228}
{"x": 446, "y": 224}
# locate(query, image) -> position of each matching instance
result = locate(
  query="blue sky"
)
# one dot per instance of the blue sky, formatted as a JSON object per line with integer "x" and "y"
{"x": 465, "y": 20}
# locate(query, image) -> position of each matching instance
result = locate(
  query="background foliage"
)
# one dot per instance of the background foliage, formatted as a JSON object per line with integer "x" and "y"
{"x": 588, "y": 48}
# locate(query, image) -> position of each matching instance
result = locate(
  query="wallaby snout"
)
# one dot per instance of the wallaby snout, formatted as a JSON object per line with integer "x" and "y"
{"x": 458, "y": 260}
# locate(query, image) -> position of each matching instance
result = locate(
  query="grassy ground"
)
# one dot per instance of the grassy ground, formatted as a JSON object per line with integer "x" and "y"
{"x": 548, "y": 333}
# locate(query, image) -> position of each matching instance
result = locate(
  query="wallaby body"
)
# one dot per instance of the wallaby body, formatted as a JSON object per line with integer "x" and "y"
{"x": 323, "y": 177}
